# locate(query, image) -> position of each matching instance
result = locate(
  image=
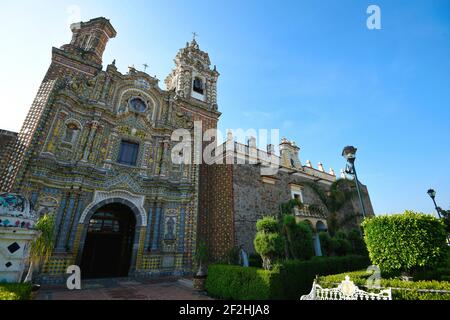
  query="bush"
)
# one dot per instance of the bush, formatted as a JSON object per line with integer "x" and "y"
{"x": 357, "y": 243}
{"x": 268, "y": 225}
{"x": 297, "y": 277}
{"x": 298, "y": 239}
{"x": 326, "y": 243}
{"x": 19, "y": 291}
{"x": 405, "y": 243}
{"x": 303, "y": 241}
{"x": 290, "y": 280}
{"x": 401, "y": 290}
{"x": 268, "y": 242}
{"x": 342, "y": 244}
{"x": 238, "y": 283}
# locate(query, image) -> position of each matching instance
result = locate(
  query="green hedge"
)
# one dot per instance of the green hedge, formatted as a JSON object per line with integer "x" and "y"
{"x": 239, "y": 283}
{"x": 20, "y": 291}
{"x": 401, "y": 290}
{"x": 288, "y": 281}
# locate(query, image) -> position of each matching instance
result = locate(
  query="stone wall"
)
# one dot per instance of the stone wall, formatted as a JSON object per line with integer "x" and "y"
{"x": 255, "y": 199}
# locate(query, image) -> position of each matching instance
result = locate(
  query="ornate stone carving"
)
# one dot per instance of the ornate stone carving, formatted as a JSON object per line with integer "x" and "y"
{"x": 100, "y": 196}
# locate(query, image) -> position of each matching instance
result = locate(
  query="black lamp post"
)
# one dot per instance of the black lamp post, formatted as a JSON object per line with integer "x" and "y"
{"x": 432, "y": 195}
{"x": 349, "y": 154}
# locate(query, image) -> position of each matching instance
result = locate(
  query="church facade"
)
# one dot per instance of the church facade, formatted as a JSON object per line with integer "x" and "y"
{"x": 95, "y": 151}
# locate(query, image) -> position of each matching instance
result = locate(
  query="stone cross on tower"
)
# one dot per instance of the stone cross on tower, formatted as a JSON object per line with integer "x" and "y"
{"x": 195, "y": 35}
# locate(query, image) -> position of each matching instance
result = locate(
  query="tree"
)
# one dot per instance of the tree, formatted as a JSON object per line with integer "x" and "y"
{"x": 298, "y": 239}
{"x": 405, "y": 242}
{"x": 333, "y": 200}
{"x": 357, "y": 243}
{"x": 42, "y": 248}
{"x": 268, "y": 242}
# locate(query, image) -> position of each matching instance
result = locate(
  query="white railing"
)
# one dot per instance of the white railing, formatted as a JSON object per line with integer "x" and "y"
{"x": 345, "y": 291}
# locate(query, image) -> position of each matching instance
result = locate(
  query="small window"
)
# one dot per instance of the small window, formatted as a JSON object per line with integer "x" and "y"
{"x": 292, "y": 163}
{"x": 128, "y": 153}
{"x": 199, "y": 86}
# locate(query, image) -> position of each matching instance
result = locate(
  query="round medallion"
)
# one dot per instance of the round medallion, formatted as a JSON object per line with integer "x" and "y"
{"x": 138, "y": 105}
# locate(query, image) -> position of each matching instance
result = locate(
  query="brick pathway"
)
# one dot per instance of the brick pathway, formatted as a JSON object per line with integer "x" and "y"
{"x": 123, "y": 289}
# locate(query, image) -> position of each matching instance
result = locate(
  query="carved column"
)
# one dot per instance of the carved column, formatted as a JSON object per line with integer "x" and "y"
{"x": 112, "y": 141}
{"x": 88, "y": 148}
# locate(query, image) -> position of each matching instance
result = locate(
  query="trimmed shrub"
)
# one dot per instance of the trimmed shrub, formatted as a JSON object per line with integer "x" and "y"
{"x": 357, "y": 243}
{"x": 268, "y": 225}
{"x": 298, "y": 239}
{"x": 401, "y": 290}
{"x": 326, "y": 243}
{"x": 19, "y": 291}
{"x": 239, "y": 283}
{"x": 290, "y": 280}
{"x": 297, "y": 277}
{"x": 405, "y": 243}
{"x": 268, "y": 242}
{"x": 303, "y": 241}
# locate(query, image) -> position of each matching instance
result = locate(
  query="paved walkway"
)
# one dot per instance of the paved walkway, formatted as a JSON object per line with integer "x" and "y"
{"x": 124, "y": 289}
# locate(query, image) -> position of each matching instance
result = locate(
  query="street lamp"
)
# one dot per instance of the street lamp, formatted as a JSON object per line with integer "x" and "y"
{"x": 349, "y": 154}
{"x": 432, "y": 195}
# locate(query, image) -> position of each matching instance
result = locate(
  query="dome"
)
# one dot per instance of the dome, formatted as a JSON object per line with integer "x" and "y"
{"x": 16, "y": 212}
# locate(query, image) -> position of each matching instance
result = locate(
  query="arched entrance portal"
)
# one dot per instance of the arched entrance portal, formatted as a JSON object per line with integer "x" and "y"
{"x": 109, "y": 242}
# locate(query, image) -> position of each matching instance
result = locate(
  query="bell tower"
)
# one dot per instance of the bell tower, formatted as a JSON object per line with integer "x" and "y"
{"x": 83, "y": 56}
{"x": 289, "y": 152}
{"x": 193, "y": 79}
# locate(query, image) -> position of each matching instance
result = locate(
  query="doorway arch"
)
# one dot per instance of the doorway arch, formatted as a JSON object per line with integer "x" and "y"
{"x": 108, "y": 245}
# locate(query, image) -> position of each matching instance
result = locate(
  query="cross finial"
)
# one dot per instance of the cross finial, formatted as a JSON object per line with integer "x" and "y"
{"x": 195, "y": 35}
{"x": 145, "y": 67}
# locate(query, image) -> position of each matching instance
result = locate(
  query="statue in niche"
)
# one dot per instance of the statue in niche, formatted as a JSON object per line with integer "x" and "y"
{"x": 170, "y": 229}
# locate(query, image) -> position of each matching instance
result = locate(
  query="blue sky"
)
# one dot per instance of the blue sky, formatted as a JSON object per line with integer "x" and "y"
{"x": 311, "y": 69}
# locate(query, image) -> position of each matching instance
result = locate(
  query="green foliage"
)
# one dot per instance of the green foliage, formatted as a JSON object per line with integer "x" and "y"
{"x": 16, "y": 291}
{"x": 298, "y": 238}
{"x": 326, "y": 244}
{"x": 334, "y": 199}
{"x": 269, "y": 246}
{"x": 239, "y": 283}
{"x": 268, "y": 225}
{"x": 342, "y": 244}
{"x": 401, "y": 290}
{"x": 42, "y": 248}
{"x": 286, "y": 208}
{"x": 268, "y": 242}
{"x": 303, "y": 241}
{"x": 405, "y": 243}
{"x": 288, "y": 281}
{"x": 357, "y": 243}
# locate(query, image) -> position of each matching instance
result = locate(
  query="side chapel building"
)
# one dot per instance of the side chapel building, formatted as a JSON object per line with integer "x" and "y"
{"x": 95, "y": 151}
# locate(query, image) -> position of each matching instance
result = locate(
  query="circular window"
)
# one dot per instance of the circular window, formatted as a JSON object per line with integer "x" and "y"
{"x": 138, "y": 105}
